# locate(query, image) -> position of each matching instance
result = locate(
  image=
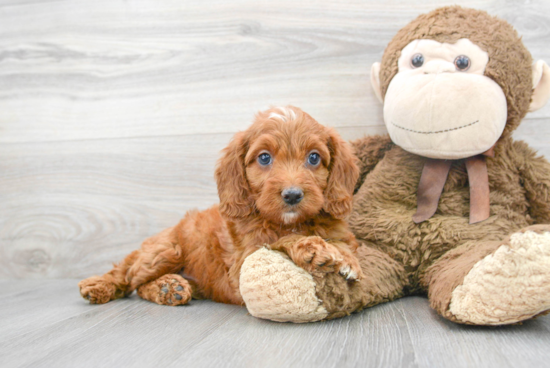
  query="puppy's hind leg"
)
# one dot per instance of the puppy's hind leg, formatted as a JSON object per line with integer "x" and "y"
{"x": 170, "y": 289}
{"x": 159, "y": 255}
{"x": 112, "y": 285}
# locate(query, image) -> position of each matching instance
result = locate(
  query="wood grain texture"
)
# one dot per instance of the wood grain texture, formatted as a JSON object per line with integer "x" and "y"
{"x": 112, "y": 113}
{"x": 45, "y": 324}
{"x": 437, "y": 340}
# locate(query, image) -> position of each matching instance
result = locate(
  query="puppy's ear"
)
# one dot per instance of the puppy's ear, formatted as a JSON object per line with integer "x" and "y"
{"x": 343, "y": 175}
{"x": 233, "y": 188}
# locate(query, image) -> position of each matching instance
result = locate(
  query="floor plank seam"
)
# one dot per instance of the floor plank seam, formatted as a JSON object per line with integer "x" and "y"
{"x": 409, "y": 334}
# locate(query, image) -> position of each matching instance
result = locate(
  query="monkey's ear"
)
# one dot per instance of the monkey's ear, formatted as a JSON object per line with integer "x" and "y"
{"x": 541, "y": 85}
{"x": 375, "y": 81}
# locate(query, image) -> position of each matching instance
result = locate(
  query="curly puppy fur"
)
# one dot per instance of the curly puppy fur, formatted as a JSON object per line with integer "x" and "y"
{"x": 202, "y": 255}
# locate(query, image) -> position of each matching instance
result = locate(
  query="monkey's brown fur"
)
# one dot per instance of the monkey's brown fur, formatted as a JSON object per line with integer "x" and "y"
{"x": 400, "y": 257}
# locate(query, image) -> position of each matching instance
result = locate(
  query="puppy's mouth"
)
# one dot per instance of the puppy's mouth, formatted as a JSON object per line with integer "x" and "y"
{"x": 290, "y": 217}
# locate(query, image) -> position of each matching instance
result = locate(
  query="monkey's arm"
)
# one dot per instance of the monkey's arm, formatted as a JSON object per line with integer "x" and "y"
{"x": 370, "y": 150}
{"x": 535, "y": 176}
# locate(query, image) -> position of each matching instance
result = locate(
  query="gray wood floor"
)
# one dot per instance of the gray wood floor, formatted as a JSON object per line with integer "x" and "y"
{"x": 112, "y": 114}
{"x": 46, "y": 324}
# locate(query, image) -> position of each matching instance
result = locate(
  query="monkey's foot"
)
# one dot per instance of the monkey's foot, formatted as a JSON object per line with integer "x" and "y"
{"x": 275, "y": 288}
{"x": 168, "y": 289}
{"x": 510, "y": 285}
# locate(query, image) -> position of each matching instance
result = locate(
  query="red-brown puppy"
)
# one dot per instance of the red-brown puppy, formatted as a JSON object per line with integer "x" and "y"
{"x": 286, "y": 182}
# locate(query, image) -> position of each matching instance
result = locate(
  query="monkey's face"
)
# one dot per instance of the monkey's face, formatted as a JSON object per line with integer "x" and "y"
{"x": 440, "y": 104}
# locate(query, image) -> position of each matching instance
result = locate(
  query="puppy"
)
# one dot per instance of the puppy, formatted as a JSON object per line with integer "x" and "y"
{"x": 286, "y": 182}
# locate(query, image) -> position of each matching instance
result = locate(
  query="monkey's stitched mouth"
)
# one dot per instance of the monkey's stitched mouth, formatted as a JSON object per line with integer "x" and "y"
{"x": 434, "y": 132}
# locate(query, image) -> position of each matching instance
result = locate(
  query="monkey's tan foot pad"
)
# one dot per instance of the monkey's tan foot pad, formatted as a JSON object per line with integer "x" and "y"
{"x": 98, "y": 291}
{"x": 274, "y": 288}
{"x": 169, "y": 289}
{"x": 510, "y": 285}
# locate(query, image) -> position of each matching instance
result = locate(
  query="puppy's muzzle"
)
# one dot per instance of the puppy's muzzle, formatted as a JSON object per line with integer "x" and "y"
{"x": 292, "y": 195}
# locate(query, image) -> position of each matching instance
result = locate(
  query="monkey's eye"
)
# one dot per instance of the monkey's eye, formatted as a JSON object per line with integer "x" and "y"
{"x": 417, "y": 60}
{"x": 313, "y": 159}
{"x": 462, "y": 63}
{"x": 264, "y": 159}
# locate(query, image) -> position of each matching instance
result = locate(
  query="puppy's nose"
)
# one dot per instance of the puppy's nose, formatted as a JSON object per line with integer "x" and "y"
{"x": 292, "y": 195}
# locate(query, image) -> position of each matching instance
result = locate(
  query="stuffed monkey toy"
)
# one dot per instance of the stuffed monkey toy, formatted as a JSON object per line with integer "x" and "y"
{"x": 448, "y": 205}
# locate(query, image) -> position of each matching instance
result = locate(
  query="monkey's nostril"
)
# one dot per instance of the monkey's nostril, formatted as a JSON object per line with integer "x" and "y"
{"x": 292, "y": 195}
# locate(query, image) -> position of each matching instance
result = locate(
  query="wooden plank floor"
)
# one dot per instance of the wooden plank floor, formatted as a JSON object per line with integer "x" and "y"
{"x": 46, "y": 324}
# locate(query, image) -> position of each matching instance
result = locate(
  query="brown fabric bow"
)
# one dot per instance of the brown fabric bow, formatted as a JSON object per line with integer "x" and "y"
{"x": 433, "y": 178}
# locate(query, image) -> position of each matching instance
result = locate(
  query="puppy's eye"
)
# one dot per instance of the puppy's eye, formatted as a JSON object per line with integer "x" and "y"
{"x": 264, "y": 159}
{"x": 462, "y": 63}
{"x": 314, "y": 159}
{"x": 417, "y": 60}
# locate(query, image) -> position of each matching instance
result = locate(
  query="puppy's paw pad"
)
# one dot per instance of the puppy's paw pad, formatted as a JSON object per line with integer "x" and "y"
{"x": 173, "y": 290}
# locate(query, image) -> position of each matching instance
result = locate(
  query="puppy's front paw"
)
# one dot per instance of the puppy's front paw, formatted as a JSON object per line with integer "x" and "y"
{"x": 350, "y": 268}
{"x": 313, "y": 254}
